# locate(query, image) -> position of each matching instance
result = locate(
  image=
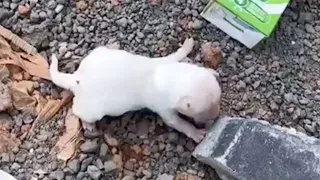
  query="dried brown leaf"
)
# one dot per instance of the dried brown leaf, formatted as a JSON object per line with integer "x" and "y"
{"x": 41, "y": 101}
{"x": 22, "y": 100}
{"x": 212, "y": 56}
{"x": 30, "y": 61}
{"x": 67, "y": 143}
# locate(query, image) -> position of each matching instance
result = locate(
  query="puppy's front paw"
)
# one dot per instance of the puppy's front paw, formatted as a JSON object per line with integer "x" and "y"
{"x": 199, "y": 135}
{"x": 90, "y": 130}
{"x": 188, "y": 45}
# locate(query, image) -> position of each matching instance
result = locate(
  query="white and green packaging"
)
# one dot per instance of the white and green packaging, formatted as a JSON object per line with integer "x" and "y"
{"x": 248, "y": 21}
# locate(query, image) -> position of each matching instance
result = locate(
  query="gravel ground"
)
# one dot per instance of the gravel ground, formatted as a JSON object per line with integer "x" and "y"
{"x": 278, "y": 81}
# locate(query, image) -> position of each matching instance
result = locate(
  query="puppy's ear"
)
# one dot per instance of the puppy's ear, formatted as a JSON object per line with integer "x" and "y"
{"x": 184, "y": 105}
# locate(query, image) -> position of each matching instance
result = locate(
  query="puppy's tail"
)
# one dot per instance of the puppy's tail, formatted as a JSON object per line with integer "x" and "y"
{"x": 64, "y": 80}
{"x": 179, "y": 55}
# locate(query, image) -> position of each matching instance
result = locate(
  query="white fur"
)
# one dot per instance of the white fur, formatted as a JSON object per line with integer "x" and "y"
{"x": 112, "y": 82}
{"x": 6, "y": 176}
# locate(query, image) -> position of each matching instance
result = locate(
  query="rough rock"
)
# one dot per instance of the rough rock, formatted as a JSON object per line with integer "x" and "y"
{"x": 252, "y": 149}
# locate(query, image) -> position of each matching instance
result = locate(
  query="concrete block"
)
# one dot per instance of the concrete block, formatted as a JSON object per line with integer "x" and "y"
{"x": 249, "y": 149}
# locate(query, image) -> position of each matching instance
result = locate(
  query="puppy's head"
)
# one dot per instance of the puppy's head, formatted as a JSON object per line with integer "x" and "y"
{"x": 203, "y": 100}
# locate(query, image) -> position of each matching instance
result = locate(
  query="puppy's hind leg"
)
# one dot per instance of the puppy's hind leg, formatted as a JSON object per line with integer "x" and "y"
{"x": 90, "y": 129}
{"x": 180, "y": 54}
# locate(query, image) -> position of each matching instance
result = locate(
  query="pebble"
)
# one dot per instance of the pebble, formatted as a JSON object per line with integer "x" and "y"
{"x": 59, "y": 8}
{"x": 103, "y": 150}
{"x": 57, "y": 175}
{"x": 81, "y": 29}
{"x": 122, "y": 22}
{"x": 52, "y": 4}
{"x": 165, "y": 177}
{"x": 74, "y": 165}
{"x": 309, "y": 28}
{"x": 94, "y": 172}
{"x": 89, "y": 146}
{"x": 109, "y": 166}
{"x": 128, "y": 178}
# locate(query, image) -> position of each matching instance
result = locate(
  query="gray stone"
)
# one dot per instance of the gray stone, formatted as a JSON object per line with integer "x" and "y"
{"x": 74, "y": 165}
{"x": 122, "y": 22}
{"x": 309, "y": 28}
{"x": 104, "y": 25}
{"x": 165, "y": 177}
{"x": 89, "y": 146}
{"x": 59, "y": 8}
{"x": 56, "y": 175}
{"x": 251, "y": 149}
{"x": 109, "y": 166}
{"x": 34, "y": 16}
{"x": 94, "y": 172}
{"x": 81, "y": 29}
{"x": 103, "y": 150}
{"x": 197, "y": 24}
{"x": 52, "y": 4}
{"x": 5, "y": 14}
{"x": 128, "y": 178}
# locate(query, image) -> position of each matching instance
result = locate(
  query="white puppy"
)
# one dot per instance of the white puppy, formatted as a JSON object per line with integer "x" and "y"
{"x": 112, "y": 82}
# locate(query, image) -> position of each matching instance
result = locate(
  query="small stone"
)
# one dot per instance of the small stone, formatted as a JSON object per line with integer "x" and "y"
{"x": 310, "y": 29}
{"x": 197, "y": 24}
{"x": 128, "y": 178}
{"x": 289, "y": 97}
{"x": 117, "y": 159}
{"x": 165, "y": 177}
{"x": 94, "y": 172}
{"x": 59, "y": 8}
{"x": 146, "y": 151}
{"x": 5, "y": 96}
{"x": 129, "y": 166}
{"x": 137, "y": 149}
{"x": 15, "y": 166}
{"x": 57, "y": 175}
{"x": 122, "y": 22}
{"x": 23, "y": 11}
{"x": 103, "y": 150}
{"x": 74, "y": 165}
{"x": 148, "y": 174}
{"x": 241, "y": 85}
{"x": 310, "y": 128}
{"x": 89, "y": 146}
{"x": 81, "y": 29}
{"x": 5, "y": 158}
{"x": 109, "y": 166}
{"x": 85, "y": 163}
{"x": 43, "y": 15}
{"x": 82, "y": 5}
{"x": 81, "y": 175}
{"x": 249, "y": 71}
{"x": 140, "y": 35}
{"x": 52, "y": 4}
{"x": 111, "y": 141}
{"x": 173, "y": 137}
{"x": 104, "y": 25}
{"x": 34, "y": 16}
